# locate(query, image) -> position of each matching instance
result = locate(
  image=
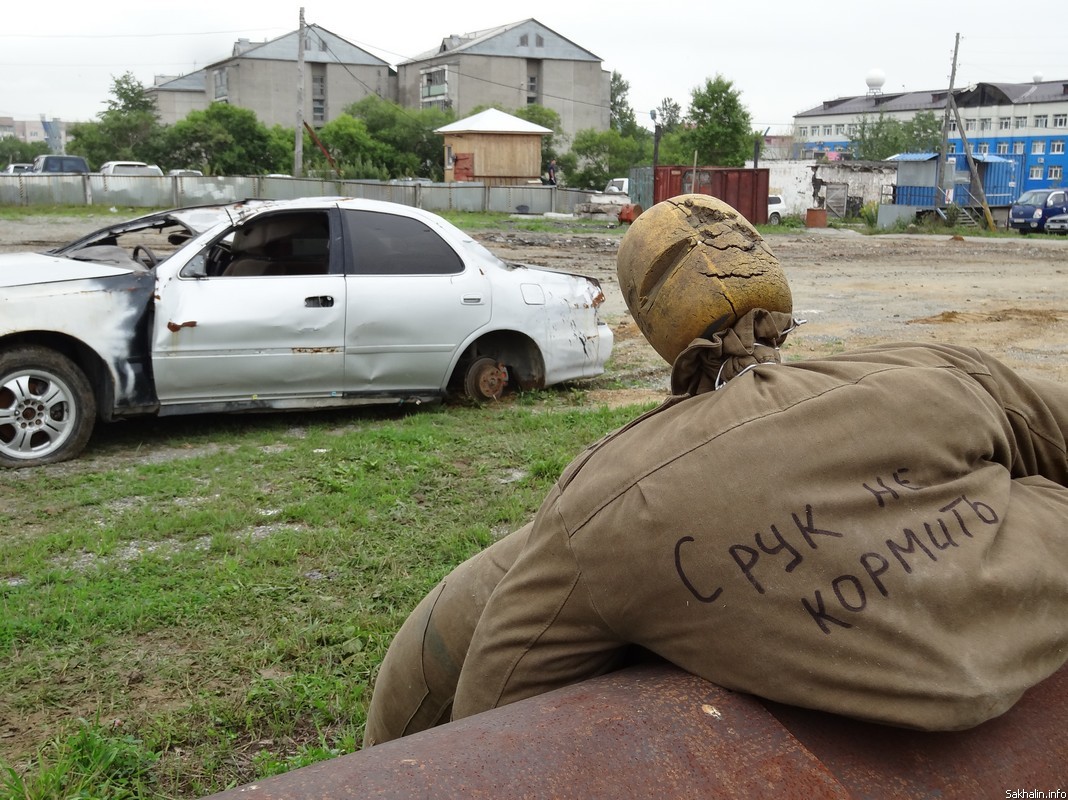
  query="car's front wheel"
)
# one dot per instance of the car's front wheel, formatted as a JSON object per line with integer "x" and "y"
{"x": 774, "y": 219}
{"x": 47, "y": 408}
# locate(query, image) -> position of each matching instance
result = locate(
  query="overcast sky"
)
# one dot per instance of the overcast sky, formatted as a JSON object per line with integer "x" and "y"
{"x": 784, "y": 57}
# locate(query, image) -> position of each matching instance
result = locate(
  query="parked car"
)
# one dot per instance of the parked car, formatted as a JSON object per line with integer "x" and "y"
{"x": 618, "y": 186}
{"x": 129, "y": 168}
{"x": 185, "y": 173}
{"x": 15, "y": 169}
{"x": 265, "y": 305}
{"x": 1057, "y": 224}
{"x": 776, "y": 209}
{"x": 1035, "y": 207}
{"x": 58, "y": 164}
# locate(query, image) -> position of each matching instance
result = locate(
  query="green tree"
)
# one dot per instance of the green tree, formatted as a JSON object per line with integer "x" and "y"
{"x": 721, "y": 131}
{"x": 669, "y": 115}
{"x": 878, "y": 138}
{"x": 923, "y": 133}
{"x": 414, "y": 149}
{"x": 127, "y": 130}
{"x": 602, "y": 155}
{"x": 227, "y": 140}
{"x": 356, "y": 153}
{"x": 16, "y": 151}
{"x": 621, "y": 116}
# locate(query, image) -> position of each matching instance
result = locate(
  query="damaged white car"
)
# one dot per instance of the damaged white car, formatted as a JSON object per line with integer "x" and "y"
{"x": 265, "y": 305}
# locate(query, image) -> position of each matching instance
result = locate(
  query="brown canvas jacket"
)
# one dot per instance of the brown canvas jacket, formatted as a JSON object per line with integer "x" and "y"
{"x": 879, "y": 534}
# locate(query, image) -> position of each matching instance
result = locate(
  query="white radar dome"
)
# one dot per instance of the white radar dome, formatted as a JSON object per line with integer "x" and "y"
{"x": 875, "y": 79}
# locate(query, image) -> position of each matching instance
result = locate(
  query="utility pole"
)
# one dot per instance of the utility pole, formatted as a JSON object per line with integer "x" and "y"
{"x": 298, "y": 143}
{"x": 940, "y": 200}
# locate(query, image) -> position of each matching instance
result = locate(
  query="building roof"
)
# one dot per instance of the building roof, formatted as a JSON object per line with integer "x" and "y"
{"x": 506, "y": 40}
{"x": 192, "y": 82}
{"x": 492, "y": 121}
{"x": 989, "y": 158}
{"x": 320, "y": 46}
{"x": 980, "y": 94}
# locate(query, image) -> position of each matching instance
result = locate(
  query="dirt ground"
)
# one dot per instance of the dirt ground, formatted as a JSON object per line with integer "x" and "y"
{"x": 1007, "y": 295}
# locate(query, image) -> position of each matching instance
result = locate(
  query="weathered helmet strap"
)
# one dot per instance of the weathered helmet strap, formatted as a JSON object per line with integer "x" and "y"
{"x": 709, "y": 362}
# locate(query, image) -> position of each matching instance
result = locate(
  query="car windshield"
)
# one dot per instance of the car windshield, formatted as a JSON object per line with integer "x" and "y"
{"x": 1035, "y": 197}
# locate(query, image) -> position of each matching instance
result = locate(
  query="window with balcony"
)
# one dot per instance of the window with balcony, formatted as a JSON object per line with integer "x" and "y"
{"x": 433, "y": 83}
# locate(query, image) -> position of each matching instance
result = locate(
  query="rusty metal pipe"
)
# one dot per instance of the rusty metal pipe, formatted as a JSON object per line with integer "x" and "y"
{"x": 654, "y": 731}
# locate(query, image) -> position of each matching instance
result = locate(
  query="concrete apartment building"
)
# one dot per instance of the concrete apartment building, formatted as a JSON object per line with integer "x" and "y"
{"x": 1022, "y": 123}
{"x": 261, "y": 76}
{"x": 511, "y": 66}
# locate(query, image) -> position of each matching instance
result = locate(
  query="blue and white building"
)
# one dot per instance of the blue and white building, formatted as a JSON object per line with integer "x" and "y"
{"x": 1024, "y": 124}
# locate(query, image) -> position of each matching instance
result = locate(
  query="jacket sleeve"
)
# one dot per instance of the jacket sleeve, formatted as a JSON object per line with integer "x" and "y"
{"x": 539, "y": 630}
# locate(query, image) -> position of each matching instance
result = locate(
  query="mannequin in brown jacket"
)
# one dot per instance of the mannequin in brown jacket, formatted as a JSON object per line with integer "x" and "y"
{"x": 880, "y": 534}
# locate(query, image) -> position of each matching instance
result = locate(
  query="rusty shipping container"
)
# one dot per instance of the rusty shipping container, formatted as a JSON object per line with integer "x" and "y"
{"x": 744, "y": 189}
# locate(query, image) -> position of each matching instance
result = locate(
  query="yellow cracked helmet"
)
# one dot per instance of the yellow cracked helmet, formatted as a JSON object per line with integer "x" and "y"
{"x": 691, "y": 266}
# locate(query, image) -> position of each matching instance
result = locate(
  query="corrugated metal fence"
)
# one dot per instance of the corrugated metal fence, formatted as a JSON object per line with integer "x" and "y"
{"x": 141, "y": 191}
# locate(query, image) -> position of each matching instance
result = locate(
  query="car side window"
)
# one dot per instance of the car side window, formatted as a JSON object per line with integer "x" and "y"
{"x": 296, "y": 243}
{"x": 391, "y": 244}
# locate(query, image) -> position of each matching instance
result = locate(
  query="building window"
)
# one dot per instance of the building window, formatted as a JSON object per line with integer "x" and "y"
{"x": 538, "y": 40}
{"x": 953, "y": 125}
{"x": 969, "y": 124}
{"x": 826, "y": 130}
{"x": 1019, "y": 122}
{"x": 802, "y": 132}
{"x": 1035, "y": 174}
{"x": 839, "y": 130}
{"x": 1018, "y": 148}
{"x": 524, "y": 40}
{"x": 1004, "y": 123}
{"x": 1038, "y": 147}
{"x": 1040, "y": 120}
{"x": 318, "y": 94}
{"x": 952, "y": 147}
{"x": 853, "y": 128}
{"x": 1060, "y": 120}
{"x": 984, "y": 123}
{"x": 1003, "y": 148}
{"x": 219, "y": 77}
{"x": 532, "y": 84}
{"x": 434, "y": 83}
{"x": 1056, "y": 148}
{"x": 1055, "y": 173}
{"x": 984, "y": 148}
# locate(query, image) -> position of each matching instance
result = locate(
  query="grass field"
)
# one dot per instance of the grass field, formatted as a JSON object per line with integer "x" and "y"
{"x": 214, "y": 610}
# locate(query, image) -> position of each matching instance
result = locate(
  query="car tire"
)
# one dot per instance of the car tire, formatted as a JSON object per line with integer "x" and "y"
{"x": 485, "y": 380}
{"x": 774, "y": 219}
{"x": 47, "y": 407}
